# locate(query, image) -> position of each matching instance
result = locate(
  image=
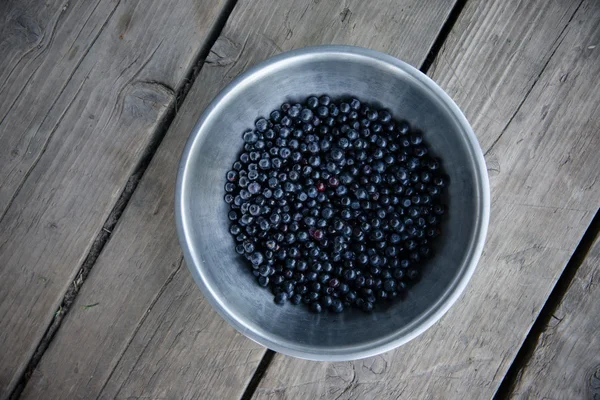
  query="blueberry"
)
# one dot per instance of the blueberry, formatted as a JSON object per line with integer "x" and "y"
{"x": 253, "y": 188}
{"x": 288, "y": 287}
{"x": 312, "y": 102}
{"x": 341, "y": 190}
{"x": 281, "y": 298}
{"x": 286, "y": 121}
{"x": 256, "y": 258}
{"x": 234, "y": 229}
{"x": 314, "y": 161}
{"x": 262, "y": 125}
{"x": 324, "y": 100}
{"x": 294, "y": 111}
{"x": 264, "y": 270}
{"x": 323, "y": 112}
{"x": 337, "y": 154}
{"x": 336, "y": 306}
{"x": 372, "y": 115}
{"x": 327, "y": 213}
{"x": 349, "y": 274}
{"x": 326, "y": 301}
{"x": 416, "y": 138}
{"x": 314, "y": 295}
{"x": 403, "y": 128}
{"x": 385, "y": 117}
{"x": 289, "y": 187}
{"x": 343, "y": 143}
{"x": 250, "y": 137}
{"x": 264, "y": 225}
{"x": 306, "y": 115}
{"x": 263, "y": 281}
{"x": 264, "y": 164}
{"x": 232, "y": 176}
{"x": 390, "y": 285}
{"x": 296, "y": 299}
{"x": 316, "y": 308}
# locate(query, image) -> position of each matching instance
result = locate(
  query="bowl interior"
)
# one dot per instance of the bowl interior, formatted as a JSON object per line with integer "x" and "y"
{"x": 223, "y": 275}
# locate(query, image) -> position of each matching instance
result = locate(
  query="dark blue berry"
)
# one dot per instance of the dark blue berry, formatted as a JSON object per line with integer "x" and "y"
{"x": 323, "y": 112}
{"x": 256, "y": 258}
{"x": 253, "y": 188}
{"x": 250, "y": 137}
{"x": 306, "y": 115}
{"x": 337, "y": 154}
{"x": 262, "y": 125}
{"x": 372, "y": 115}
{"x": 316, "y": 308}
{"x": 320, "y": 160}
{"x": 324, "y": 100}
{"x": 312, "y": 102}
{"x": 296, "y": 299}
{"x": 281, "y": 298}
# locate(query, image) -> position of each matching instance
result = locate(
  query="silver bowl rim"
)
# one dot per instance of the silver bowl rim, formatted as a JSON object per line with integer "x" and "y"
{"x": 445, "y": 300}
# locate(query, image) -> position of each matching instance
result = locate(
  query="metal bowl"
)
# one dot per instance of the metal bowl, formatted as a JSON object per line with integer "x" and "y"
{"x": 202, "y": 214}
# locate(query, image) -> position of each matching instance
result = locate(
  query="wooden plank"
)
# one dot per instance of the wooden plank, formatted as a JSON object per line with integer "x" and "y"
{"x": 565, "y": 363}
{"x": 495, "y": 54}
{"x": 42, "y": 44}
{"x": 183, "y": 350}
{"x": 78, "y": 127}
{"x": 150, "y": 358}
{"x": 544, "y": 172}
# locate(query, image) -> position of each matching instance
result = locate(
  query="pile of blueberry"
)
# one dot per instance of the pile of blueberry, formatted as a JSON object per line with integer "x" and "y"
{"x": 334, "y": 204}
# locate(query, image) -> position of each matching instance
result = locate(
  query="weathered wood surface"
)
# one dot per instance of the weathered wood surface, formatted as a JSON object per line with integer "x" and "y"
{"x": 544, "y": 172}
{"x": 566, "y": 361}
{"x": 148, "y": 338}
{"x": 495, "y": 54}
{"x": 83, "y": 87}
{"x": 41, "y": 46}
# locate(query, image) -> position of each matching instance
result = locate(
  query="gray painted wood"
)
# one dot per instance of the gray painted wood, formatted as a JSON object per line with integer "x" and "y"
{"x": 84, "y": 86}
{"x": 152, "y": 334}
{"x": 566, "y": 361}
{"x": 544, "y": 173}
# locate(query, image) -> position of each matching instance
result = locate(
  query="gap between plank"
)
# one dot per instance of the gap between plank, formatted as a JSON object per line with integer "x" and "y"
{"x": 137, "y": 328}
{"x": 439, "y": 41}
{"x": 557, "y": 43}
{"x": 105, "y": 233}
{"x": 258, "y": 375}
{"x": 429, "y": 59}
{"x": 560, "y": 290}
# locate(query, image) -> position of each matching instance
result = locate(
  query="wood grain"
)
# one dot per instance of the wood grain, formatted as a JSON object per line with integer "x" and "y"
{"x": 81, "y": 103}
{"x": 566, "y": 361}
{"x": 42, "y": 45}
{"x": 544, "y": 171}
{"x": 121, "y": 348}
{"x": 495, "y": 54}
